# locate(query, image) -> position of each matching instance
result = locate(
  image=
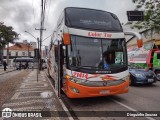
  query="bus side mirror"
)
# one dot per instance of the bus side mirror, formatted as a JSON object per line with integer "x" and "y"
{"x": 66, "y": 39}
{"x": 137, "y": 35}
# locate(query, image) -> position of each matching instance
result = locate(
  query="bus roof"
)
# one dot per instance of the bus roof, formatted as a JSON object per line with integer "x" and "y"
{"x": 93, "y": 19}
{"x": 24, "y": 59}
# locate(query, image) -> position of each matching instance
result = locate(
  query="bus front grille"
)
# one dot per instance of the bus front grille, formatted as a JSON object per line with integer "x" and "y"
{"x": 102, "y": 83}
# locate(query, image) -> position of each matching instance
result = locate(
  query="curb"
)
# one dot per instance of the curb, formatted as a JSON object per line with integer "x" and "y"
{"x": 61, "y": 102}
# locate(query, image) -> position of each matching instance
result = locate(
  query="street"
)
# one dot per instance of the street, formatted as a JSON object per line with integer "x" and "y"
{"x": 23, "y": 93}
{"x": 9, "y": 81}
{"x": 139, "y": 98}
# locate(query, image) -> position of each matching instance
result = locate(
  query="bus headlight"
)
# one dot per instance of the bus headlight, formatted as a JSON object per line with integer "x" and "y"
{"x": 74, "y": 89}
{"x": 77, "y": 80}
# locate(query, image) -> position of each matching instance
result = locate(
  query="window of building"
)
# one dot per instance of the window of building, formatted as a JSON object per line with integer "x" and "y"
{"x": 29, "y": 53}
{"x": 9, "y": 53}
{"x": 16, "y": 53}
{"x": 23, "y": 53}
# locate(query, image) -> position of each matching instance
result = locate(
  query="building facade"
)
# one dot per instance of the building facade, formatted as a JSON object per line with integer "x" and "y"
{"x": 24, "y": 49}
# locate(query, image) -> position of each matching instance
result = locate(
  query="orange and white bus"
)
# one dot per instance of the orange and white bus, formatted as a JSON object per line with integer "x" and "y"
{"x": 88, "y": 55}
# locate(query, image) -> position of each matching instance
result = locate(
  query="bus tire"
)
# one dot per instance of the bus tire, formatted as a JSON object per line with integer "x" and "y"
{"x": 61, "y": 91}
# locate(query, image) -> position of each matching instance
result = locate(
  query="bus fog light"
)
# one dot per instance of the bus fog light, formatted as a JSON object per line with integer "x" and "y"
{"x": 74, "y": 89}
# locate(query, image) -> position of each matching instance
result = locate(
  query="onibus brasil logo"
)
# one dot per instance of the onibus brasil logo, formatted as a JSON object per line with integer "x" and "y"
{"x": 6, "y": 112}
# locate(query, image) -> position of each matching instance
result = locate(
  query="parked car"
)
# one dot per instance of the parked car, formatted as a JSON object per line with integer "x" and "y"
{"x": 141, "y": 76}
{"x": 44, "y": 64}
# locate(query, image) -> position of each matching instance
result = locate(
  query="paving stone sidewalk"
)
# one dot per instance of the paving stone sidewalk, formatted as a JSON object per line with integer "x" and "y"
{"x": 35, "y": 96}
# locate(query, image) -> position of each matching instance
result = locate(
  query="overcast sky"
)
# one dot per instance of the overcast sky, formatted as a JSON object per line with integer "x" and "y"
{"x": 24, "y": 15}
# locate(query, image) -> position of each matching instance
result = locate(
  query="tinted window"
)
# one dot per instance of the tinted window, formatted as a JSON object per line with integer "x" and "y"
{"x": 158, "y": 55}
{"x": 92, "y": 19}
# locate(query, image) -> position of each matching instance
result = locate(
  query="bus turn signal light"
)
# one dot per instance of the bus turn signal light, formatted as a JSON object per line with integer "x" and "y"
{"x": 66, "y": 39}
{"x": 139, "y": 43}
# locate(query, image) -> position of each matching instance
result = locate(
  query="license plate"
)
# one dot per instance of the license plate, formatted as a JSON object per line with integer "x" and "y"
{"x": 150, "y": 80}
{"x": 104, "y": 92}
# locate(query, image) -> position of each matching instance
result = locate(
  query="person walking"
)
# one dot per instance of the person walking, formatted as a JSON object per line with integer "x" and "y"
{"x": 5, "y": 65}
{"x": 26, "y": 66}
{"x": 20, "y": 66}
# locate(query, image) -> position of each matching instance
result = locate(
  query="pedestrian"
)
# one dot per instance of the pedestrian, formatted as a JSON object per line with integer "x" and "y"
{"x": 20, "y": 65}
{"x": 26, "y": 66}
{"x": 5, "y": 65}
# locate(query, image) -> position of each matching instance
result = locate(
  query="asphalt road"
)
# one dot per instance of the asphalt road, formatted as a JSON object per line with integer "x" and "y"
{"x": 9, "y": 83}
{"x": 139, "y": 98}
{"x": 6, "y": 76}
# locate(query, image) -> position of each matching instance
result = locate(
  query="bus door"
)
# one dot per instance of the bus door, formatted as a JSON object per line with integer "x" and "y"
{"x": 60, "y": 68}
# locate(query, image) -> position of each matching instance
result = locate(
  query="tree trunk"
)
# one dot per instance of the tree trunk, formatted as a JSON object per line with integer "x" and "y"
{"x": 8, "y": 53}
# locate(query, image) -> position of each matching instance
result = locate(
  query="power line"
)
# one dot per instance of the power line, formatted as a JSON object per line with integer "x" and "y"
{"x": 33, "y": 12}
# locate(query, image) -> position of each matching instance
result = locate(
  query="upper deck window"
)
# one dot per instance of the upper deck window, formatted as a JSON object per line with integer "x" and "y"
{"x": 92, "y": 19}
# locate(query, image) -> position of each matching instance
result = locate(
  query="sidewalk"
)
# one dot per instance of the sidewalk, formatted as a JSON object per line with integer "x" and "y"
{"x": 36, "y": 96}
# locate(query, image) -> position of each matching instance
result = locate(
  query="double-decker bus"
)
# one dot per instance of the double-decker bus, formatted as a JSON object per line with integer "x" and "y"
{"x": 88, "y": 55}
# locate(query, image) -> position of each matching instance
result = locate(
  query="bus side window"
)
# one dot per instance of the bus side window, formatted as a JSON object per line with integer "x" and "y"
{"x": 64, "y": 54}
{"x": 56, "y": 53}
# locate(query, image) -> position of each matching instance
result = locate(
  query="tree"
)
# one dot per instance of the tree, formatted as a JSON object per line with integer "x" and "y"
{"x": 7, "y": 35}
{"x": 151, "y": 10}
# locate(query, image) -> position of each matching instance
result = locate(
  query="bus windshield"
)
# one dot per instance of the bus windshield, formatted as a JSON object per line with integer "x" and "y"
{"x": 93, "y": 53}
{"x": 92, "y": 19}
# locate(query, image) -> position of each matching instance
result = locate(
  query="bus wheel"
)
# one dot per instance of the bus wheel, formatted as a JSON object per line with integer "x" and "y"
{"x": 61, "y": 91}
{"x": 158, "y": 75}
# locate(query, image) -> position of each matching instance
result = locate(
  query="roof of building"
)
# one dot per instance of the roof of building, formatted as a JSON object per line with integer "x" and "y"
{"x": 21, "y": 46}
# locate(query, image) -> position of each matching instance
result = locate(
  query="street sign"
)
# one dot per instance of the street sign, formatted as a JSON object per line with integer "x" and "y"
{"x": 135, "y": 15}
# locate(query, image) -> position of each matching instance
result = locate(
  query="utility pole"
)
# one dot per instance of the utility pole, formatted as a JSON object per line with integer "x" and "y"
{"x": 41, "y": 33}
{"x": 38, "y": 69}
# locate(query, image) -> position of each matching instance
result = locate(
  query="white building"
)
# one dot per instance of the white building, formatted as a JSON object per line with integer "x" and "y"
{"x": 24, "y": 49}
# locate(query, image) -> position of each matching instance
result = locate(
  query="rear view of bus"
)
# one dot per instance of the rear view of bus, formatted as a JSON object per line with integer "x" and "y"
{"x": 91, "y": 54}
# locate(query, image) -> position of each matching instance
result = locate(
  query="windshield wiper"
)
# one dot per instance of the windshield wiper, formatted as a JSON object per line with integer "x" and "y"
{"x": 86, "y": 67}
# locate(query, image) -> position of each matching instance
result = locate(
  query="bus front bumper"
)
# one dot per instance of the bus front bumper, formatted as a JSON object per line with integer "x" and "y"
{"x": 74, "y": 90}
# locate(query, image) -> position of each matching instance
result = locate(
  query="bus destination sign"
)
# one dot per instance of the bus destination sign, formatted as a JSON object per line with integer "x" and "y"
{"x": 99, "y": 34}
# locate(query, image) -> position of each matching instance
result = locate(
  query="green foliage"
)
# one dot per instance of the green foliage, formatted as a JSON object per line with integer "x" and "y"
{"x": 151, "y": 10}
{"x": 7, "y": 35}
